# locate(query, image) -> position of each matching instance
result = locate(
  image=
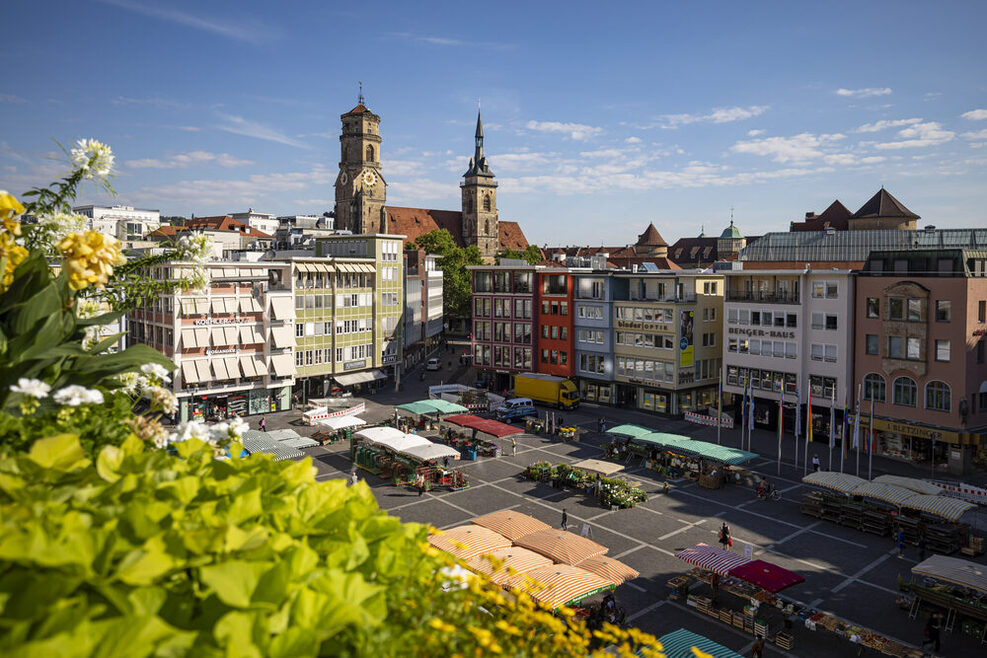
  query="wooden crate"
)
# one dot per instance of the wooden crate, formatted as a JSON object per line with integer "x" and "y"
{"x": 783, "y": 640}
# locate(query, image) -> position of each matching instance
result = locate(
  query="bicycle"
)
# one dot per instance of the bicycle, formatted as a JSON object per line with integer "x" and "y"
{"x": 770, "y": 494}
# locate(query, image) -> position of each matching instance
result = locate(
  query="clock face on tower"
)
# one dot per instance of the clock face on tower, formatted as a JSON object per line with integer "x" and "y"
{"x": 369, "y": 178}
{"x": 343, "y": 178}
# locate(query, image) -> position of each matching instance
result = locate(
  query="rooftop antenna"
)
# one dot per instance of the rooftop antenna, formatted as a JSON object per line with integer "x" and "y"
{"x": 361, "y": 92}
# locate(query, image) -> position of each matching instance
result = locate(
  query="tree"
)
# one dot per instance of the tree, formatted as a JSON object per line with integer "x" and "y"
{"x": 457, "y": 289}
{"x": 531, "y": 254}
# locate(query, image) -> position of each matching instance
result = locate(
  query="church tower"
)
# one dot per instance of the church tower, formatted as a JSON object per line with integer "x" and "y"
{"x": 480, "y": 220}
{"x": 360, "y": 188}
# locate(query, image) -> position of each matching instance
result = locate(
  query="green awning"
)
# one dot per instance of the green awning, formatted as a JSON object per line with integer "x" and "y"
{"x": 420, "y": 407}
{"x": 630, "y": 430}
{"x": 678, "y": 644}
{"x": 719, "y": 453}
{"x": 446, "y": 407}
{"x": 663, "y": 440}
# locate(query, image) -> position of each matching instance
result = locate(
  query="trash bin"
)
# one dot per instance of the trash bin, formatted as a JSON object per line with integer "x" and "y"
{"x": 471, "y": 453}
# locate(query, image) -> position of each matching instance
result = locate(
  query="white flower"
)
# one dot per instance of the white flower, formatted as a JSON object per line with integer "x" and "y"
{"x": 75, "y": 395}
{"x": 58, "y": 225}
{"x": 34, "y": 388}
{"x": 192, "y": 429}
{"x": 194, "y": 248}
{"x": 93, "y": 157}
{"x": 156, "y": 370}
{"x": 238, "y": 427}
{"x": 133, "y": 383}
{"x": 162, "y": 398}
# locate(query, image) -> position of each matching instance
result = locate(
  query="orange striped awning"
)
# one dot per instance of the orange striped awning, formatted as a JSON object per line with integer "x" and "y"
{"x": 609, "y": 569}
{"x": 511, "y": 524}
{"x": 558, "y": 584}
{"x": 514, "y": 560}
{"x": 469, "y": 541}
{"x": 561, "y": 545}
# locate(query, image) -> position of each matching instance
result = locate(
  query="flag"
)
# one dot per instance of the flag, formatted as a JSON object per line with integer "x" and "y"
{"x": 798, "y": 410}
{"x": 781, "y": 414}
{"x": 750, "y": 416}
{"x": 808, "y": 420}
{"x": 872, "y": 437}
{"x": 847, "y": 421}
{"x": 856, "y": 425}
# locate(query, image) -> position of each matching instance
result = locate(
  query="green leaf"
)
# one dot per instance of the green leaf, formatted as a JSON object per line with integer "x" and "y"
{"x": 294, "y": 642}
{"x": 108, "y": 463}
{"x": 237, "y": 631}
{"x": 145, "y": 565}
{"x": 234, "y": 581}
{"x": 62, "y": 453}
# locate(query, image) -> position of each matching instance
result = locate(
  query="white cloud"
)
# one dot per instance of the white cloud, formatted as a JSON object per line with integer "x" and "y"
{"x": 240, "y": 126}
{"x": 219, "y": 194}
{"x": 520, "y": 161}
{"x": 417, "y": 190}
{"x": 602, "y": 153}
{"x": 885, "y": 124}
{"x": 851, "y": 159}
{"x": 797, "y": 148}
{"x": 577, "y": 131}
{"x": 225, "y": 26}
{"x": 754, "y": 133}
{"x": 312, "y": 203}
{"x": 154, "y": 101}
{"x": 720, "y": 115}
{"x": 979, "y": 134}
{"x": 189, "y": 159}
{"x": 401, "y": 167}
{"x": 975, "y": 115}
{"x": 930, "y": 133}
{"x": 11, "y": 98}
{"x": 867, "y": 92}
{"x": 632, "y": 140}
{"x": 190, "y": 129}
{"x": 449, "y": 41}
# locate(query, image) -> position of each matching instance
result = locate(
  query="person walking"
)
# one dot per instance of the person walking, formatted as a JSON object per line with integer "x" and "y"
{"x": 900, "y": 540}
{"x": 263, "y": 424}
{"x": 815, "y": 463}
{"x": 354, "y": 478}
{"x": 513, "y": 446}
{"x": 725, "y": 539}
{"x": 565, "y": 520}
{"x": 932, "y": 629}
{"x": 757, "y": 650}
{"x": 421, "y": 485}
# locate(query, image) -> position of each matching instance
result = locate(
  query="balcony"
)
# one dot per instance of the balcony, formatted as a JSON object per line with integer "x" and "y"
{"x": 767, "y": 297}
{"x": 687, "y": 297}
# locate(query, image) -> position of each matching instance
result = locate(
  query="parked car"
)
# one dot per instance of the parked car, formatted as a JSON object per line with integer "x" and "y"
{"x": 432, "y": 364}
{"x": 516, "y": 408}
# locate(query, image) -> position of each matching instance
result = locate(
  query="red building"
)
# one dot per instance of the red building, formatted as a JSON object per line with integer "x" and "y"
{"x": 556, "y": 340}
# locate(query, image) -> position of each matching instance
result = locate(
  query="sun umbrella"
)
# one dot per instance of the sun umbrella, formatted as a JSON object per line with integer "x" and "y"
{"x": 511, "y": 524}
{"x": 561, "y": 546}
{"x": 468, "y": 541}
{"x": 767, "y": 576}
{"x": 711, "y": 558}
{"x": 609, "y": 569}
{"x": 558, "y": 584}
{"x": 514, "y": 560}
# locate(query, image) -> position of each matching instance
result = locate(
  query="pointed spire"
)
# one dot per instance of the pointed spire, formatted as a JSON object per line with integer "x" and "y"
{"x": 478, "y": 155}
{"x": 361, "y": 93}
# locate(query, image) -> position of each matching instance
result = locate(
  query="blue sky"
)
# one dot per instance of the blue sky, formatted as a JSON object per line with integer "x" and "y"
{"x": 599, "y": 118}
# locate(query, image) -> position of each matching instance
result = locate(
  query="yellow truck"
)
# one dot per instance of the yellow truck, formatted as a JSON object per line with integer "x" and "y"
{"x": 547, "y": 389}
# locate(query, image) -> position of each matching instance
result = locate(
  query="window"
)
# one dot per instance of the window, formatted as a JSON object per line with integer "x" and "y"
{"x": 914, "y": 310}
{"x": 299, "y": 330}
{"x": 942, "y": 350}
{"x": 874, "y": 388}
{"x": 905, "y": 392}
{"x": 564, "y": 308}
{"x": 872, "y": 344}
{"x": 913, "y": 347}
{"x": 816, "y": 352}
{"x": 943, "y": 310}
{"x": 791, "y": 321}
{"x": 563, "y": 358}
{"x": 370, "y": 152}
{"x": 824, "y": 289}
{"x": 486, "y": 202}
{"x": 544, "y": 356}
{"x": 831, "y": 322}
{"x": 982, "y": 311}
{"x": 937, "y": 396}
{"x": 830, "y": 355}
{"x": 896, "y": 308}
{"x": 873, "y": 307}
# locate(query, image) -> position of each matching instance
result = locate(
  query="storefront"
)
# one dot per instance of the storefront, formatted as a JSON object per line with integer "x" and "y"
{"x": 594, "y": 391}
{"x": 674, "y": 403}
{"x": 221, "y": 406}
{"x": 937, "y": 448}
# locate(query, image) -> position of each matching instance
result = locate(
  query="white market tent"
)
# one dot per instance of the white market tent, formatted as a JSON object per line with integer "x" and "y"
{"x": 954, "y": 570}
{"x": 404, "y": 442}
{"x": 599, "y": 466}
{"x": 376, "y": 434}
{"x": 431, "y": 452}
{"x": 918, "y": 486}
{"x": 341, "y": 422}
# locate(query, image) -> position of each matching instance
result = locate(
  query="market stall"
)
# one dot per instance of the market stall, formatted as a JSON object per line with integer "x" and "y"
{"x": 609, "y": 569}
{"x": 598, "y": 467}
{"x": 335, "y": 428}
{"x": 913, "y": 484}
{"x": 429, "y": 412}
{"x": 513, "y": 560}
{"x": 406, "y": 458}
{"x": 766, "y": 576}
{"x": 711, "y": 558}
{"x": 511, "y": 524}
{"x": 679, "y": 644}
{"x": 612, "y": 492}
{"x": 561, "y": 546}
{"x": 559, "y": 584}
{"x": 957, "y": 586}
{"x": 469, "y": 541}
{"x": 472, "y": 444}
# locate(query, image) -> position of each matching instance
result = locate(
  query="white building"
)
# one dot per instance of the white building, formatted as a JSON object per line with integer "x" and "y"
{"x": 125, "y": 223}
{"x": 262, "y": 221}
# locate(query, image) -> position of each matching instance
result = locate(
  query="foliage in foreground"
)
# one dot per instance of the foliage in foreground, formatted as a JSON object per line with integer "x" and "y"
{"x": 142, "y": 553}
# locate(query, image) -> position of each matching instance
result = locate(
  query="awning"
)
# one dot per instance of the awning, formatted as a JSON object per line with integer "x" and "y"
{"x": 359, "y": 377}
{"x": 249, "y": 305}
{"x": 232, "y": 333}
{"x": 189, "y": 373}
{"x": 918, "y": 486}
{"x": 599, "y": 466}
{"x": 188, "y": 338}
{"x": 232, "y": 366}
{"x": 886, "y": 492}
{"x": 202, "y": 367}
{"x": 219, "y": 368}
{"x": 302, "y": 267}
{"x": 678, "y": 644}
{"x": 954, "y": 570}
{"x": 247, "y": 366}
{"x": 948, "y": 508}
{"x": 219, "y": 337}
{"x": 430, "y": 452}
{"x": 558, "y": 584}
{"x": 249, "y": 335}
{"x": 341, "y": 422}
{"x": 662, "y": 440}
{"x": 376, "y": 434}
{"x": 446, "y": 407}
{"x": 281, "y": 308}
{"x": 260, "y": 366}
{"x": 419, "y": 408}
{"x": 224, "y": 305}
{"x": 561, "y": 546}
{"x": 283, "y": 365}
{"x": 195, "y": 306}
{"x": 432, "y": 406}
{"x": 609, "y": 569}
{"x": 710, "y": 451}
{"x": 514, "y": 558}
{"x": 767, "y": 576}
{"x": 202, "y": 336}
{"x": 711, "y": 558}
{"x": 282, "y": 337}
{"x": 403, "y": 442}
{"x": 842, "y": 482}
{"x": 511, "y": 524}
{"x": 630, "y": 430}
{"x": 491, "y": 427}
{"x": 468, "y": 541}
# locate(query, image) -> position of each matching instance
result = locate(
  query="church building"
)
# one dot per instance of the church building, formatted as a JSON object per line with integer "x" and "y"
{"x": 361, "y": 194}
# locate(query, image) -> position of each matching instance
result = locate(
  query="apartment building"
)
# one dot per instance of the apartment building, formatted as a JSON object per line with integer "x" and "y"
{"x": 505, "y": 316}
{"x": 593, "y": 328}
{"x": 554, "y": 305}
{"x": 124, "y": 223}
{"x": 791, "y": 331}
{"x": 921, "y": 321}
{"x": 423, "y": 320}
{"x": 232, "y": 343}
{"x": 667, "y": 339}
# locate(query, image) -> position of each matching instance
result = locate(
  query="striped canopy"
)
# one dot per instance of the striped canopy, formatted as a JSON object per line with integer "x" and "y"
{"x": 609, "y": 569}
{"x": 918, "y": 486}
{"x": 558, "y": 584}
{"x": 630, "y": 430}
{"x": 678, "y": 644}
{"x": 561, "y": 545}
{"x": 712, "y": 559}
{"x": 514, "y": 560}
{"x": 403, "y": 442}
{"x": 446, "y": 407}
{"x": 469, "y": 541}
{"x": 511, "y": 524}
{"x": 950, "y": 509}
{"x": 842, "y": 482}
{"x": 954, "y": 570}
{"x": 718, "y": 453}
{"x": 341, "y": 422}
{"x": 418, "y": 408}
{"x": 886, "y": 492}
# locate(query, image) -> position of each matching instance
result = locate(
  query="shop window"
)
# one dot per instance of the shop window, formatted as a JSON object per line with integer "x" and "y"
{"x": 937, "y": 396}
{"x": 905, "y": 392}
{"x": 874, "y": 388}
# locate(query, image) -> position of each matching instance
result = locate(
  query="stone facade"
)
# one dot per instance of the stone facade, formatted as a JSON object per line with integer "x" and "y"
{"x": 361, "y": 191}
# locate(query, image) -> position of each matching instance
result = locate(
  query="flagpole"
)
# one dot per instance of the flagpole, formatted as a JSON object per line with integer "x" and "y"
{"x": 750, "y": 428}
{"x": 798, "y": 422}
{"x": 781, "y": 423}
{"x": 858, "y": 450}
{"x": 870, "y": 441}
{"x": 719, "y": 407}
{"x": 832, "y": 426}
{"x": 808, "y": 431}
{"x": 843, "y": 426}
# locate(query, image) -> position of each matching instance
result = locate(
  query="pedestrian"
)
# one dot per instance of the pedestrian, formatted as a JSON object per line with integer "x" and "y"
{"x": 900, "y": 540}
{"x": 565, "y": 520}
{"x": 604, "y": 424}
{"x": 921, "y": 547}
{"x": 445, "y": 462}
{"x": 714, "y": 584}
{"x": 725, "y": 539}
{"x": 513, "y": 447}
{"x": 815, "y": 463}
{"x": 421, "y": 485}
{"x": 354, "y": 478}
{"x": 757, "y": 650}
{"x": 932, "y": 629}
{"x": 263, "y": 424}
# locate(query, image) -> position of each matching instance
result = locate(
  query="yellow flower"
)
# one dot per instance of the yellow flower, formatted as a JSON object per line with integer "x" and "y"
{"x": 11, "y": 255}
{"x": 10, "y": 208}
{"x": 441, "y": 626}
{"x": 89, "y": 258}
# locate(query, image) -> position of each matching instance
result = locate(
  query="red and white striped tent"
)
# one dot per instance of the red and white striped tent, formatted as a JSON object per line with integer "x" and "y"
{"x": 561, "y": 546}
{"x": 513, "y": 561}
{"x": 712, "y": 559}
{"x": 609, "y": 569}
{"x": 558, "y": 584}
{"x": 511, "y": 524}
{"x": 469, "y": 541}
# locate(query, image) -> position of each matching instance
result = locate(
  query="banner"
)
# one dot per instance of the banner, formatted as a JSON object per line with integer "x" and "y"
{"x": 686, "y": 358}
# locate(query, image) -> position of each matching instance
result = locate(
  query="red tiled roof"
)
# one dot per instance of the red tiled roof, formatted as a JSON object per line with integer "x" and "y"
{"x": 836, "y": 217}
{"x": 511, "y": 236}
{"x": 414, "y": 222}
{"x": 225, "y": 223}
{"x": 359, "y": 109}
{"x": 651, "y": 237}
{"x": 167, "y": 231}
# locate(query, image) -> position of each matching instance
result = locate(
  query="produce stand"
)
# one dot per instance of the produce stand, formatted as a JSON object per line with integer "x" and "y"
{"x": 676, "y": 456}
{"x": 612, "y": 492}
{"x": 404, "y": 458}
{"x": 955, "y": 585}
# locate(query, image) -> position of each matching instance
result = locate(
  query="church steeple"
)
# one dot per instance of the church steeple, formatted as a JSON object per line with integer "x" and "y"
{"x": 478, "y": 154}
{"x": 478, "y": 163}
{"x": 480, "y": 219}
